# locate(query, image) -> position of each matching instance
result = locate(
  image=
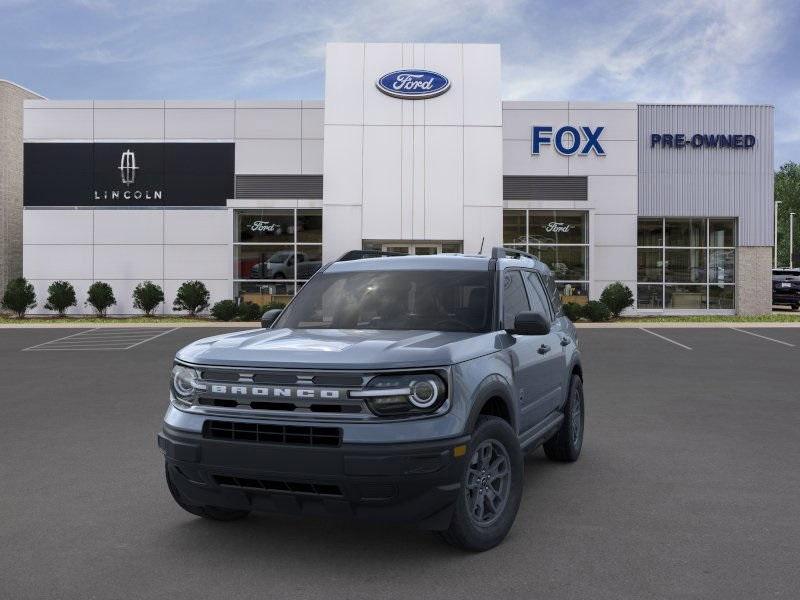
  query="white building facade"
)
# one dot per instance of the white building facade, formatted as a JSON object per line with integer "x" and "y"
{"x": 412, "y": 151}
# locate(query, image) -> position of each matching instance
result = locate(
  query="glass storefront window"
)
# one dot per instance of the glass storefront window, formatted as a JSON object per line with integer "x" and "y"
{"x": 722, "y": 233}
{"x": 685, "y": 297}
{"x": 557, "y": 227}
{"x": 685, "y": 266}
{"x": 560, "y": 239}
{"x": 649, "y": 264}
{"x": 650, "y": 297}
{"x": 274, "y": 249}
{"x": 650, "y": 232}
{"x": 698, "y": 269}
{"x": 685, "y": 232}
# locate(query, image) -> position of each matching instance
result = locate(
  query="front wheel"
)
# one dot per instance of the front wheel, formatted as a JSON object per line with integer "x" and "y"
{"x": 491, "y": 488}
{"x": 565, "y": 445}
{"x": 215, "y": 513}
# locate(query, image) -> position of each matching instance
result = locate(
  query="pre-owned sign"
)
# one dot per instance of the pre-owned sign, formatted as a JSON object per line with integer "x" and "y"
{"x": 702, "y": 140}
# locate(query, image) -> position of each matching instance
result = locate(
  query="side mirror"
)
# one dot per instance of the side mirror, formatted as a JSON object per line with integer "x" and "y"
{"x": 269, "y": 317}
{"x": 531, "y": 323}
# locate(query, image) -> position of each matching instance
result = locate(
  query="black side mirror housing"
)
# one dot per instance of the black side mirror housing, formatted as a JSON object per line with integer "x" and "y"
{"x": 269, "y": 317}
{"x": 531, "y": 323}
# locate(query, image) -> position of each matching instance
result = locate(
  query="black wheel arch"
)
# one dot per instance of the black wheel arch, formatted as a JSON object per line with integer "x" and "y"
{"x": 494, "y": 397}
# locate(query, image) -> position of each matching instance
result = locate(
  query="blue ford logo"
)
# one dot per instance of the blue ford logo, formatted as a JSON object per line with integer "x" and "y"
{"x": 413, "y": 84}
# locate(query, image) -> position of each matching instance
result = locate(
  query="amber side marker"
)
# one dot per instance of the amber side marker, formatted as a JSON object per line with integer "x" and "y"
{"x": 460, "y": 450}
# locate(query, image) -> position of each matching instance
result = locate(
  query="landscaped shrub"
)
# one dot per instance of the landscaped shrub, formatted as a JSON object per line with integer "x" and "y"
{"x": 224, "y": 310}
{"x": 147, "y": 296}
{"x": 249, "y": 311}
{"x": 574, "y": 311}
{"x": 101, "y": 297}
{"x": 19, "y": 297}
{"x": 274, "y": 304}
{"x": 596, "y": 311}
{"x": 60, "y": 296}
{"x": 192, "y": 296}
{"x": 617, "y": 297}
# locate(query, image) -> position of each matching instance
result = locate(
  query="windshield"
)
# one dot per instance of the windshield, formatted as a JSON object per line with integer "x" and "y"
{"x": 279, "y": 257}
{"x": 404, "y": 300}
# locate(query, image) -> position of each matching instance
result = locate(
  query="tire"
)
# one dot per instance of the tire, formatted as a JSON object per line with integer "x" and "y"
{"x": 474, "y": 532}
{"x": 795, "y": 306}
{"x": 565, "y": 445}
{"x": 214, "y": 513}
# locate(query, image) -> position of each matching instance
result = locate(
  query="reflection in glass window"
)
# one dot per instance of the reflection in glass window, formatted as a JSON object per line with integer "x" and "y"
{"x": 275, "y": 249}
{"x": 515, "y": 299}
{"x": 557, "y": 227}
{"x": 698, "y": 268}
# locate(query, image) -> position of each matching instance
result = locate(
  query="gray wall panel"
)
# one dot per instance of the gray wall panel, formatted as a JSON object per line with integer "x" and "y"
{"x": 734, "y": 182}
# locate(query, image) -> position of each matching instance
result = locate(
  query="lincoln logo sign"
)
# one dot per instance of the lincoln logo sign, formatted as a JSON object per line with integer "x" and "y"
{"x": 127, "y": 167}
{"x": 413, "y": 84}
{"x": 127, "y": 173}
{"x": 568, "y": 140}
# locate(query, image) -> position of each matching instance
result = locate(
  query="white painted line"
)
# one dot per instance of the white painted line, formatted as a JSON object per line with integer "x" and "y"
{"x": 57, "y": 340}
{"x": 663, "y": 337}
{"x": 763, "y": 337}
{"x": 152, "y": 338}
{"x": 95, "y": 348}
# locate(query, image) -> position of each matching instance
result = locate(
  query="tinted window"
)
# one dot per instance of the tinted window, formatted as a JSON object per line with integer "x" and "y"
{"x": 553, "y": 293}
{"x": 536, "y": 294}
{"x": 395, "y": 300}
{"x": 515, "y": 299}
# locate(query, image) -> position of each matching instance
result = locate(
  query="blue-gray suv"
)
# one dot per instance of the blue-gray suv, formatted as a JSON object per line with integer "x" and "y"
{"x": 398, "y": 389}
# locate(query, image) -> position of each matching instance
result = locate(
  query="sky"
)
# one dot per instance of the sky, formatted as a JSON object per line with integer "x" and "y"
{"x": 713, "y": 51}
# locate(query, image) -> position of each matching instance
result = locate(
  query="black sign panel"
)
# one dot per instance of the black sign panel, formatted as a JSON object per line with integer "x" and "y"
{"x": 128, "y": 174}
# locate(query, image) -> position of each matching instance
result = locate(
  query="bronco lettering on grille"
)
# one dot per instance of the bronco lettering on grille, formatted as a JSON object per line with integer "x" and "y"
{"x": 276, "y": 392}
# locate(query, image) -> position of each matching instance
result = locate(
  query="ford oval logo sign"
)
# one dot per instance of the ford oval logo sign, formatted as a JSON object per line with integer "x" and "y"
{"x": 413, "y": 84}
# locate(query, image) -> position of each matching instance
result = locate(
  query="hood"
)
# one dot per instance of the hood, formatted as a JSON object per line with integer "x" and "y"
{"x": 339, "y": 349}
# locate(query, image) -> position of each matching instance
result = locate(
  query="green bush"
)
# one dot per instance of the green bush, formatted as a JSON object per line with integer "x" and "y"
{"x": 273, "y": 304}
{"x": 617, "y": 297}
{"x": 19, "y": 297}
{"x": 101, "y": 297}
{"x": 574, "y": 311}
{"x": 60, "y": 296}
{"x": 224, "y": 310}
{"x": 147, "y": 296}
{"x": 192, "y": 296}
{"x": 596, "y": 311}
{"x": 249, "y": 311}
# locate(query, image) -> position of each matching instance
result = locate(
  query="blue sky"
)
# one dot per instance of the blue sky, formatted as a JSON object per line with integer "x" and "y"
{"x": 665, "y": 50}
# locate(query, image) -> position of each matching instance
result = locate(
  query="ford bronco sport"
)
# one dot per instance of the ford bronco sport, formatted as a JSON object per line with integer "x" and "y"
{"x": 400, "y": 389}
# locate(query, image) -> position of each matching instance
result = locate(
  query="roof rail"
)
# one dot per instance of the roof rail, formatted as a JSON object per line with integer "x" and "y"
{"x": 359, "y": 254}
{"x": 500, "y": 252}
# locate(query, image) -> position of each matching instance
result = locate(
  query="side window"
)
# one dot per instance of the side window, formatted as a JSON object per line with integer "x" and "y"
{"x": 553, "y": 294}
{"x": 539, "y": 302}
{"x": 515, "y": 299}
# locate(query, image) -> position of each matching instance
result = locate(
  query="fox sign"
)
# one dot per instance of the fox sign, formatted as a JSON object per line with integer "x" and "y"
{"x": 568, "y": 140}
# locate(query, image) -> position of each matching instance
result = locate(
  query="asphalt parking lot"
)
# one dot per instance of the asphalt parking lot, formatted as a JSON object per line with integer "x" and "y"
{"x": 688, "y": 486}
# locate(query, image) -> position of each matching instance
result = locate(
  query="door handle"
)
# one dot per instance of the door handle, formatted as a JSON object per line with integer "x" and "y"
{"x": 544, "y": 349}
{"x": 565, "y": 341}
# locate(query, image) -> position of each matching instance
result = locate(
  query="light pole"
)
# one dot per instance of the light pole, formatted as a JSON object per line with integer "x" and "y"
{"x": 777, "y": 202}
{"x": 791, "y": 238}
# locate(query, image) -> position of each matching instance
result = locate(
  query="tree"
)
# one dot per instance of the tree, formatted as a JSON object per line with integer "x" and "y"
{"x": 192, "y": 296}
{"x": 101, "y": 297}
{"x": 787, "y": 191}
{"x": 617, "y": 297}
{"x": 19, "y": 297}
{"x": 147, "y": 296}
{"x": 224, "y": 310}
{"x": 60, "y": 296}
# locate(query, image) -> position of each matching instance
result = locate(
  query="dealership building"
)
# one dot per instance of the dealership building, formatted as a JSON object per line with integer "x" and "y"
{"x": 413, "y": 151}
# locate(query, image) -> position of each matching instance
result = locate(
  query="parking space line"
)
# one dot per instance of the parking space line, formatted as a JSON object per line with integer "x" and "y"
{"x": 58, "y": 340}
{"x": 763, "y": 337}
{"x": 152, "y": 338}
{"x": 665, "y": 338}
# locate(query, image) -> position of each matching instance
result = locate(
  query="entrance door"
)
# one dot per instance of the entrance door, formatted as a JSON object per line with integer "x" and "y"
{"x": 410, "y": 248}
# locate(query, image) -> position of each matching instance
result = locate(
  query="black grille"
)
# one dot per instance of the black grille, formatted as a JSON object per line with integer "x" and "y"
{"x": 540, "y": 187}
{"x": 273, "y": 434}
{"x": 279, "y": 186}
{"x": 289, "y": 487}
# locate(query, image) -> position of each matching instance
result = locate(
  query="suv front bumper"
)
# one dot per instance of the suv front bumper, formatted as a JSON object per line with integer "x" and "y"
{"x": 402, "y": 483}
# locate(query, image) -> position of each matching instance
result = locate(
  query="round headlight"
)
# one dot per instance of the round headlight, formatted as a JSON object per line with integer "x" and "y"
{"x": 423, "y": 393}
{"x": 183, "y": 379}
